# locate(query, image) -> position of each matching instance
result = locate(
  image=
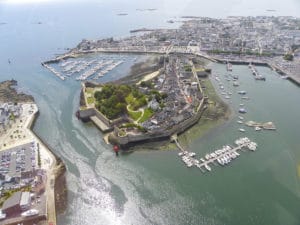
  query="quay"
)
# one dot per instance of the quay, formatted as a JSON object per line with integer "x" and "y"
{"x": 222, "y": 156}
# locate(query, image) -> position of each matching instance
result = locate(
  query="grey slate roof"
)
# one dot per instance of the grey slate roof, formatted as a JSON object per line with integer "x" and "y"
{"x": 12, "y": 201}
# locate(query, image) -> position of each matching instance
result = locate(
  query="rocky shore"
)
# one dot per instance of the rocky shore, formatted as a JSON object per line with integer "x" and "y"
{"x": 8, "y": 93}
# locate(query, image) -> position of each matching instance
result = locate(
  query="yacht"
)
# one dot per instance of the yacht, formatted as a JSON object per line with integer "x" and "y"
{"x": 207, "y": 167}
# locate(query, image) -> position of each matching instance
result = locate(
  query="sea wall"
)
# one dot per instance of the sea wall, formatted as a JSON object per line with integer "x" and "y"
{"x": 58, "y": 171}
{"x": 128, "y": 140}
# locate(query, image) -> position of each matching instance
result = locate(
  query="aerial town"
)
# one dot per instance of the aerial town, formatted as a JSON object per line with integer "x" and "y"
{"x": 273, "y": 41}
{"x": 161, "y": 105}
{"x": 167, "y": 102}
{"x": 26, "y": 165}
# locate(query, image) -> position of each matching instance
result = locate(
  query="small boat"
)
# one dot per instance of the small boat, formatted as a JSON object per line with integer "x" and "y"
{"x": 257, "y": 128}
{"x": 245, "y": 97}
{"x": 235, "y": 77}
{"x": 242, "y": 92}
{"x": 227, "y": 97}
{"x": 235, "y": 84}
{"x": 207, "y": 167}
{"x": 240, "y": 122}
{"x": 242, "y": 110}
{"x": 241, "y": 118}
{"x": 241, "y": 104}
{"x": 242, "y": 130}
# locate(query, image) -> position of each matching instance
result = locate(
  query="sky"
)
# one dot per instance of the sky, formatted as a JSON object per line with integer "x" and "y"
{"x": 193, "y": 7}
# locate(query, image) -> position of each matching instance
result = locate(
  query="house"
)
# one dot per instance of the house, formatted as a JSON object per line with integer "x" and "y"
{"x": 25, "y": 201}
{"x": 12, "y": 205}
{"x": 153, "y": 104}
{"x": 18, "y": 202}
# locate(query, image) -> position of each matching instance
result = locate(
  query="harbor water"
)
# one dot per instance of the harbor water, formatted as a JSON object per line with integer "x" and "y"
{"x": 148, "y": 186}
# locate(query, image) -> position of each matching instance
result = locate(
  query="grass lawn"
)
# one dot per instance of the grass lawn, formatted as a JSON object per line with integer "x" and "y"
{"x": 135, "y": 115}
{"x": 147, "y": 114}
{"x": 89, "y": 90}
{"x": 130, "y": 99}
{"x": 90, "y": 100}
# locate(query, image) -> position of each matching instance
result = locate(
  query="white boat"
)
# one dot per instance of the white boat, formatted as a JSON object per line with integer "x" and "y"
{"x": 30, "y": 212}
{"x": 235, "y": 84}
{"x": 192, "y": 154}
{"x": 242, "y": 130}
{"x": 227, "y": 97}
{"x": 240, "y": 117}
{"x": 207, "y": 167}
{"x": 242, "y": 92}
{"x": 257, "y": 128}
{"x": 207, "y": 156}
{"x": 220, "y": 161}
{"x": 240, "y": 122}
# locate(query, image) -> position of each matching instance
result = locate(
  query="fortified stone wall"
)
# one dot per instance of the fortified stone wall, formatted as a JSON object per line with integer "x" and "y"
{"x": 179, "y": 128}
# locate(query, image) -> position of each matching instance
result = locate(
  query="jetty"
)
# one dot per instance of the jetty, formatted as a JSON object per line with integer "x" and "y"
{"x": 266, "y": 126}
{"x": 221, "y": 156}
{"x": 255, "y": 73}
{"x": 53, "y": 71}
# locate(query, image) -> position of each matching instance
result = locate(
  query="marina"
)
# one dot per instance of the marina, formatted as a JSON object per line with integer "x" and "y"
{"x": 86, "y": 68}
{"x": 222, "y": 156}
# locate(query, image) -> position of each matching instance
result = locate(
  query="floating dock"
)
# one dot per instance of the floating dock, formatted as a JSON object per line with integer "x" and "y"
{"x": 221, "y": 156}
